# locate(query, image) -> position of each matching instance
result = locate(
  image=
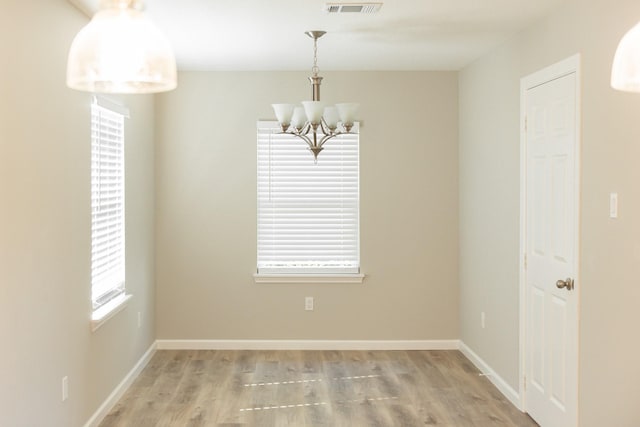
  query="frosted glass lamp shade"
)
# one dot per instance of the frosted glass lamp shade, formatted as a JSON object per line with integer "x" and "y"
{"x": 284, "y": 112}
{"x": 347, "y": 112}
{"x": 299, "y": 118}
{"x": 313, "y": 110}
{"x": 121, "y": 51}
{"x": 331, "y": 117}
{"x": 625, "y": 73}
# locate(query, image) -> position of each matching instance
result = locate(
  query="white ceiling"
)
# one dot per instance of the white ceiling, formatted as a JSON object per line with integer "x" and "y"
{"x": 403, "y": 35}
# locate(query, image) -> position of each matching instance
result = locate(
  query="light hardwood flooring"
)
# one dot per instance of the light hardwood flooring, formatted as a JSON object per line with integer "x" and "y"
{"x": 313, "y": 388}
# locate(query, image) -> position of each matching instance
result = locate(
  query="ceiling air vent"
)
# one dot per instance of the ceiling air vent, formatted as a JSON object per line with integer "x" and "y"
{"x": 352, "y": 7}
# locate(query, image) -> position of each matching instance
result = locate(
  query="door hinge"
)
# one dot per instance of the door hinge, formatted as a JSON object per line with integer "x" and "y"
{"x": 526, "y": 123}
{"x": 524, "y": 380}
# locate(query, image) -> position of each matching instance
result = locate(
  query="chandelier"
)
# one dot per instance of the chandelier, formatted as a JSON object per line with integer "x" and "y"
{"x": 315, "y": 123}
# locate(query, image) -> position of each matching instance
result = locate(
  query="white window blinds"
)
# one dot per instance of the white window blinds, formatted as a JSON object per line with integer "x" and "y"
{"x": 308, "y": 214}
{"x": 107, "y": 203}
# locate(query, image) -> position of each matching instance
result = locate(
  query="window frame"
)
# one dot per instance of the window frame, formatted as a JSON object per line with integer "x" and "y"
{"x": 266, "y": 273}
{"x": 108, "y": 118}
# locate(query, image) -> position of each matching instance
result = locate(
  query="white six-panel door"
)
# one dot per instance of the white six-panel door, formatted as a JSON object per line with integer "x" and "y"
{"x": 551, "y": 236}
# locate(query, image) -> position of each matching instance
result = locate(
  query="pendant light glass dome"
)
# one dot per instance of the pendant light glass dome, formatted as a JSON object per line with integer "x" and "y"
{"x": 625, "y": 73}
{"x": 121, "y": 51}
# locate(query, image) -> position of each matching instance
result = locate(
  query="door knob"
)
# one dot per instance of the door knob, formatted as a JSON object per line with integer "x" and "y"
{"x": 568, "y": 284}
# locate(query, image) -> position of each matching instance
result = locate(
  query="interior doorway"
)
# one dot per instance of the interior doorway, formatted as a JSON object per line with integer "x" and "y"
{"x": 549, "y": 286}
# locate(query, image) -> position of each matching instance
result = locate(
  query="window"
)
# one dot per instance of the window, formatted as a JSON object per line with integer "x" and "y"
{"x": 308, "y": 214}
{"x": 107, "y": 207}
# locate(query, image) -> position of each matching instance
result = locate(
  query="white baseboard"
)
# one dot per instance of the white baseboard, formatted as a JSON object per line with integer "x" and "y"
{"x": 497, "y": 380}
{"x": 306, "y": 345}
{"x": 119, "y": 391}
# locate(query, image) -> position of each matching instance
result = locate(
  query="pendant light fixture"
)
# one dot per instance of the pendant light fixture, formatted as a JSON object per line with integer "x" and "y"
{"x": 314, "y": 122}
{"x": 625, "y": 73}
{"x": 121, "y": 51}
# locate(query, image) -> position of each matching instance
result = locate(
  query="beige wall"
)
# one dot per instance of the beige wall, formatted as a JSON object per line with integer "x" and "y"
{"x": 205, "y": 206}
{"x": 206, "y": 210}
{"x": 489, "y": 205}
{"x": 45, "y": 229}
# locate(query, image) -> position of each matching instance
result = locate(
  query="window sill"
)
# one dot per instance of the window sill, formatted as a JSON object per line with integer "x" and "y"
{"x": 107, "y": 311}
{"x": 308, "y": 278}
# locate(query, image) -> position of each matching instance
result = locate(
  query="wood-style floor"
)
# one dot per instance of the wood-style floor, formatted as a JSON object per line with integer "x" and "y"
{"x": 313, "y": 388}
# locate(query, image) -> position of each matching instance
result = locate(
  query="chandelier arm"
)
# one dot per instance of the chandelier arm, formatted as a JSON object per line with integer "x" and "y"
{"x": 326, "y": 138}
{"x": 306, "y": 139}
{"x": 333, "y": 134}
{"x": 326, "y": 130}
{"x": 317, "y": 127}
{"x": 303, "y": 131}
{"x": 300, "y": 135}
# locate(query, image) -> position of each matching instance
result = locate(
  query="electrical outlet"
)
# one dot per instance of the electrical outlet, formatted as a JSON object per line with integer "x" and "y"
{"x": 482, "y": 316}
{"x": 65, "y": 388}
{"x": 308, "y": 303}
{"x": 613, "y": 205}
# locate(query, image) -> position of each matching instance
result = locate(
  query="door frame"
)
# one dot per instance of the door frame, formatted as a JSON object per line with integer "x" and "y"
{"x": 571, "y": 65}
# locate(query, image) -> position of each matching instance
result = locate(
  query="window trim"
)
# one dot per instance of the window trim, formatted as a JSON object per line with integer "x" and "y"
{"x": 292, "y": 274}
{"x": 101, "y": 314}
{"x": 308, "y": 278}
